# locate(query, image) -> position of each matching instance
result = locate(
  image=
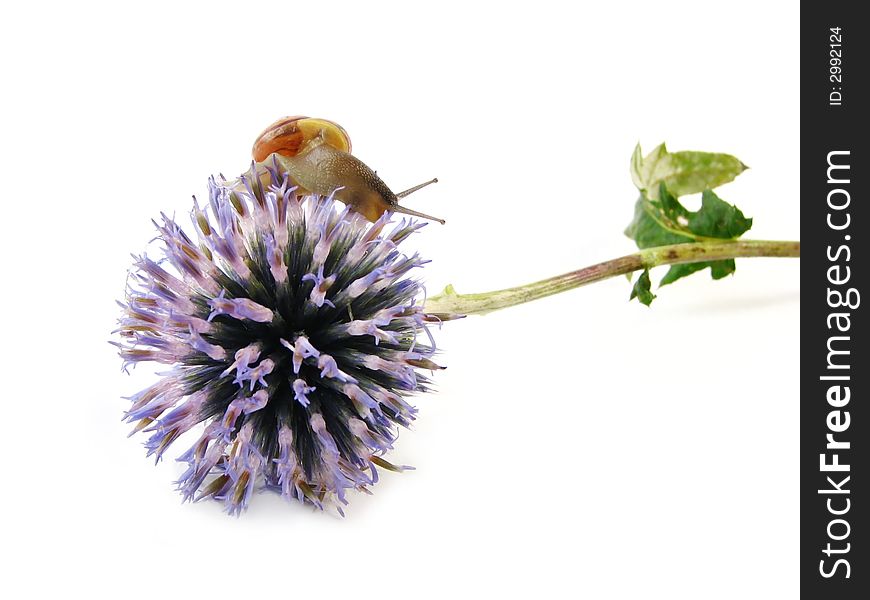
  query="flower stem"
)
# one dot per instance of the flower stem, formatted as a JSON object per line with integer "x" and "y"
{"x": 450, "y": 304}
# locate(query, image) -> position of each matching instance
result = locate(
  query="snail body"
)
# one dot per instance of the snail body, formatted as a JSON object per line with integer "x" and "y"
{"x": 316, "y": 155}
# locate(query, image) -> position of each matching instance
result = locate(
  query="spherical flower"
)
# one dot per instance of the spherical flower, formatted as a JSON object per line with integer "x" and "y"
{"x": 292, "y": 330}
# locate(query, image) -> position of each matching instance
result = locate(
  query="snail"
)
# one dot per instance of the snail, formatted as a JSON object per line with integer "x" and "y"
{"x": 316, "y": 155}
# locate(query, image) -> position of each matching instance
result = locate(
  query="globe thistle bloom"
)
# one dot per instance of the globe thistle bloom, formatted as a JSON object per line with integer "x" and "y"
{"x": 291, "y": 328}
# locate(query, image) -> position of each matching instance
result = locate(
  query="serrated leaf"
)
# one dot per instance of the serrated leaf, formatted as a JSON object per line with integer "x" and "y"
{"x": 718, "y": 270}
{"x": 641, "y": 289}
{"x": 666, "y": 221}
{"x": 718, "y": 219}
{"x": 686, "y": 172}
{"x": 652, "y": 227}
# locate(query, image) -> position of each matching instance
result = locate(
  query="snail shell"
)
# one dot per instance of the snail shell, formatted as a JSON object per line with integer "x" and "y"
{"x": 291, "y": 135}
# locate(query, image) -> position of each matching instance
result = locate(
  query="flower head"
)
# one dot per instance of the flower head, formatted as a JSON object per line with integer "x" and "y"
{"x": 291, "y": 327}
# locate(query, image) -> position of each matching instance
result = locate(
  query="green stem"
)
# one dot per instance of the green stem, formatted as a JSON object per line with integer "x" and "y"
{"x": 450, "y": 304}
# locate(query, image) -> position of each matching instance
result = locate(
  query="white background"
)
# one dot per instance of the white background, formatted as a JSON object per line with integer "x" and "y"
{"x": 578, "y": 446}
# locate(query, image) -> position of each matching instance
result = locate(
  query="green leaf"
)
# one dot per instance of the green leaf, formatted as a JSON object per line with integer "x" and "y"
{"x": 652, "y": 226}
{"x": 664, "y": 220}
{"x": 718, "y": 219}
{"x": 667, "y": 221}
{"x": 682, "y": 172}
{"x": 718, "y": 270}
{"x": 660, "y": 219}
{"x": 641, "y": 289}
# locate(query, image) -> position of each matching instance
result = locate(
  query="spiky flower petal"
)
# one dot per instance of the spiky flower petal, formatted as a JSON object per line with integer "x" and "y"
{"x": 292, "y": 330}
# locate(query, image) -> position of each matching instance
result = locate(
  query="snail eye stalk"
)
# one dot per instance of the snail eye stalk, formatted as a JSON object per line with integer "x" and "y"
{"x": 420, "y": 186}
{"x": 413, "y": 213}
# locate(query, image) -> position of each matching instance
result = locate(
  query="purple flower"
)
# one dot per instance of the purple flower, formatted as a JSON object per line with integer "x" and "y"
{"x": 291, "y": 327}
